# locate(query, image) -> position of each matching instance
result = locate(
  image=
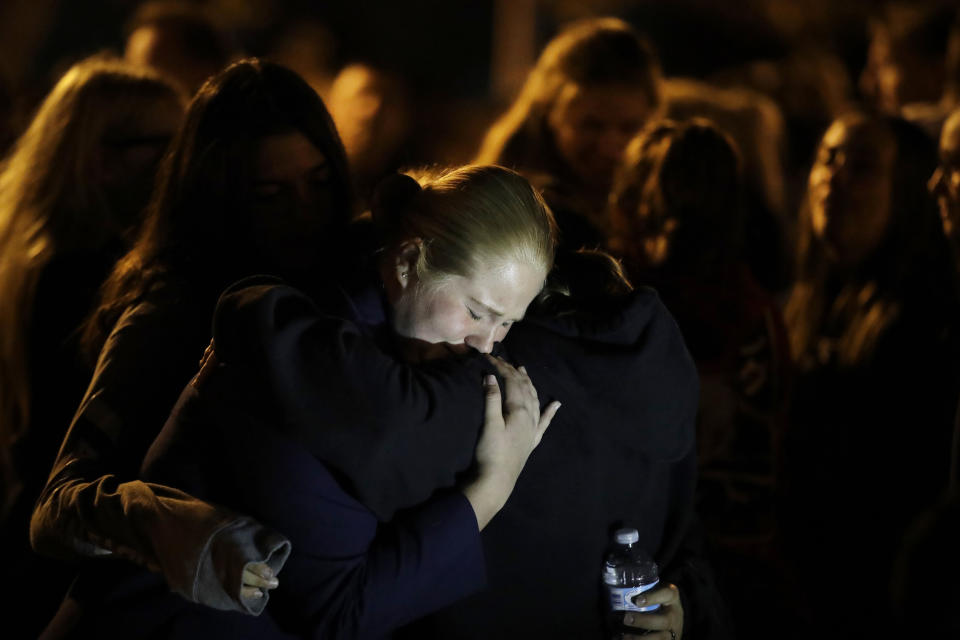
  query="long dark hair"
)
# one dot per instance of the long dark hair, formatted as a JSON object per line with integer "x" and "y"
{"x": 193, "y": 236}
{"x": 51, "y": 204}
{"x": 688, "y": 172}
{"x": 912, "y": 261}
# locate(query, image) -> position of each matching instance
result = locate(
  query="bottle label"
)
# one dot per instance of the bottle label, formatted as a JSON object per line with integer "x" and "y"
{"x": 621, "y": 598}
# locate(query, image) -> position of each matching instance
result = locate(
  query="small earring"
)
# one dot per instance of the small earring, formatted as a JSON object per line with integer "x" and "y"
{"x": 403, "y": 275}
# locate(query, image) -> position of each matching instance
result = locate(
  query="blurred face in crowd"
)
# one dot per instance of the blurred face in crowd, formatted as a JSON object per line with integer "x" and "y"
{"x": 850, "y": 189}
{"x": 945, "y": 182}
{"x": 370, "y": 114}
{"x": 453, "y": 314}
{"x": 130, "y": 152}
{"x": 653, "y": 227}
{"x": 591, "y": 126}
{"x": 895, "y": 75}
{"x": 158, "y": 48}
{"x": 657, "y": 236}
{"x": 292, "y": 200}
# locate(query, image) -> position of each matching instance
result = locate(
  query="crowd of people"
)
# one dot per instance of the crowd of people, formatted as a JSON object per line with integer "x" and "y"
{"x": 260, "y": 379}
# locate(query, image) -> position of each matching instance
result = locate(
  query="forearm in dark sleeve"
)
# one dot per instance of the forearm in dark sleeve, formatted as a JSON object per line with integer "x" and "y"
{"x": 425, "y": 560}
{"x": 393, "y": 432}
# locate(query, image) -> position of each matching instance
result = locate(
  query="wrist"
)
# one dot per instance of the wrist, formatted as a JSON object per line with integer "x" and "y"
{"x": 487, "y": 495}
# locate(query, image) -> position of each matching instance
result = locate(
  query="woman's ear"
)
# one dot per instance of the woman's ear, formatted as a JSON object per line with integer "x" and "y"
{"x": 405, "y": 264}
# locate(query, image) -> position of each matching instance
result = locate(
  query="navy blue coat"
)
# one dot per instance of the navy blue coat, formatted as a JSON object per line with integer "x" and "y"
{"x": 306, "y": 415}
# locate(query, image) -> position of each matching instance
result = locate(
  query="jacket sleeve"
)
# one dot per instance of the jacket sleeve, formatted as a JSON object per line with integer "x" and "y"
{"x": 427, "y": 558}
{"x": 88, "y": 509}
{"x": 394, "y": 432}
{"x": 350, "y": 576}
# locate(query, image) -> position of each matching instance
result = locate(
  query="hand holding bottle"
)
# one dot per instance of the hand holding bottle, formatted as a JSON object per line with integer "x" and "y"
{"x": 666, "y": 623}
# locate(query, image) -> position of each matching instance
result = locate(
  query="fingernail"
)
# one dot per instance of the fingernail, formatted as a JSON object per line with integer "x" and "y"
{"x": 640, "y": 601}
{"x": 273, "y": 583}
{"x": 628, "y": 618}
{"x": 266, "y": 572}
{"x": 491, "y": 379}
{"x": 257, "y": 594}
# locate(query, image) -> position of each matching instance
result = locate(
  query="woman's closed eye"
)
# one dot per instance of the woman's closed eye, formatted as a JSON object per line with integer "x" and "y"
{"x": 506, "y": 324}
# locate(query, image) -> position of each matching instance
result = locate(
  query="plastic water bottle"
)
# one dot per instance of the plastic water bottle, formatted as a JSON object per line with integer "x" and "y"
{"x": 628, "y": 572}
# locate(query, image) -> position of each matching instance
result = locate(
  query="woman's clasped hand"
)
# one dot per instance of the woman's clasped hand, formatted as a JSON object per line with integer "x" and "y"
{"x": 513, "y": 427}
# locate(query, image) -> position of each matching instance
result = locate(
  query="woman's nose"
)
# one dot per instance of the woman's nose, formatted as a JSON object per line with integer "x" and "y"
{"x": 482, "y": 342}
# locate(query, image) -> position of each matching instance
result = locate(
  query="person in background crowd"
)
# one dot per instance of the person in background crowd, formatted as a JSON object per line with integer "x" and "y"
{"x": 676, "y": 216}
{"x": 180, "y": 40}
{"x": 913, "y": 63}
{"x": 928, "y": 555}
{"x": 593, "y": 87}
{"x": 71, "y": 196}
{"x": 372, "y": 114}
{"x": 256, "y": 180}
{"x": 872, "y": 320}
{"x": 755, "y": 124}
{"x": 945, "y": 182}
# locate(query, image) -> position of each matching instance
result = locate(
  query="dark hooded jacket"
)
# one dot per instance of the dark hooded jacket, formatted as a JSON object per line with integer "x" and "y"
{"x": 620, "y": 452}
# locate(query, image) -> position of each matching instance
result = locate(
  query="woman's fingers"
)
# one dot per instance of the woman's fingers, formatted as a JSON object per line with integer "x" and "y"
{"x": 667, "y": 621}
{"x": 546, "y": 418}
{"x": 259, "y": 575}
{"x": 504, "y": 368}
{"x": 668, "y": 595}
{"x": 521, "y": 394}
{"x": 250, "y": 592}
{"x": 650, "y": 620}
{"x": 493, "y": 403}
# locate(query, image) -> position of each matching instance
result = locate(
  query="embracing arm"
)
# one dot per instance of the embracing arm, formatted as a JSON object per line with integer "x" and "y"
{"x": 393, "y": 432}
{"x": 90, "y": 508}
{"x": 425, "y": 559}
{"x": 431, "y": 556}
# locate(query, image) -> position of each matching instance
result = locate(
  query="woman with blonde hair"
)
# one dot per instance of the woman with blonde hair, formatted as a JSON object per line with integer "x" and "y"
{"x": 323, "y": 418}
{"x": 593, "y": 87}
{"x": 71, "y": 192}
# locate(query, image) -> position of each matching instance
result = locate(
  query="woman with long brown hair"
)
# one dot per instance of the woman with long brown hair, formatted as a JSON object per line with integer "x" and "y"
{"x": 872, "y": 321}
{"x": 593, "y": 87}
{"x": 71, "y": 196}
{"x": 255, "y": 181}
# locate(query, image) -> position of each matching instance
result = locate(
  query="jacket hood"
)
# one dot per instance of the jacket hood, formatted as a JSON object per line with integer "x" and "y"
{"x": 625, "y": 370}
